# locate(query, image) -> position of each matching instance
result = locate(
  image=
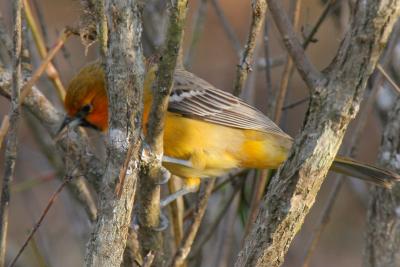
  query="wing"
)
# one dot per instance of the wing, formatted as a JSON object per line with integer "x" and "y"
{"x": 195, "y": 98}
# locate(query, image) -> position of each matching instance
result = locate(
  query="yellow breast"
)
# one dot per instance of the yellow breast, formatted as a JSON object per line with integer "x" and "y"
{"x": 214, "y": 149}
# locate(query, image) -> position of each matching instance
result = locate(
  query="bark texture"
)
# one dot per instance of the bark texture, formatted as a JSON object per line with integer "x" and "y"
{"x": 124, "y": 70}
{"x": 383, "y": 232}
{"x": 335, "y": 99}
{"x": 12, "y": 141}
{"x": 152, "y": 171}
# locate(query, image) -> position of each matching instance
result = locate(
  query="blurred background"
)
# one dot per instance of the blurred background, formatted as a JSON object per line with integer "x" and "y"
{"x": 62, "y": 237}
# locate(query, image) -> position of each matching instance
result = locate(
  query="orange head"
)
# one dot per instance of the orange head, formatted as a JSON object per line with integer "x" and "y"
{"x": 86, "y": 100}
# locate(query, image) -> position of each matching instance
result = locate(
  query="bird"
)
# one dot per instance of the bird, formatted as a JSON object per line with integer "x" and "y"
{"x": 208, "y": 132}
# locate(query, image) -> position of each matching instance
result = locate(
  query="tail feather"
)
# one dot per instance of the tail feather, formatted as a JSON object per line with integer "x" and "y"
{"x": 366, "y": 172}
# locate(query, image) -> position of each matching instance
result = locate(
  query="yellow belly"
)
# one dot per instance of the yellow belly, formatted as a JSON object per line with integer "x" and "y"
{"x": 214, "y": 149}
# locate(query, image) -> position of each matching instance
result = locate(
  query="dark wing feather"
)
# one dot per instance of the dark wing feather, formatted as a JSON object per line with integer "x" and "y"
{"x": 193, "y": 97}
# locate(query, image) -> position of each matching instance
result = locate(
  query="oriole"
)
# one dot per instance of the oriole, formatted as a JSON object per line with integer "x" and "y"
{"x": 208, "y": 132}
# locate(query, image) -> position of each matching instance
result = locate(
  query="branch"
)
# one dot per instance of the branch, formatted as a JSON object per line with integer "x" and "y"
{"x": 50, "y": 203}
{"x": 73, "y": 146}
{"x": 333, "y": 104}
{"x": 149, "y": 193}
{"x": 200, "y": 209}
{"x": 12, "y": 142}
{"x": 41, "y": 47}
{"x": 124, "y": 70}
{"x": 350, "y": 150}
{"x": 307, "y": 71}
{"x": 45, "y": 112}
{"x": 383, "y": 226}
{"x": 388, "y": 78}
{"x": 287, "y": 71}
{"x": 5, "y": 124}
{"x": 43, "y": 66}
{"x": 258, "y": 13}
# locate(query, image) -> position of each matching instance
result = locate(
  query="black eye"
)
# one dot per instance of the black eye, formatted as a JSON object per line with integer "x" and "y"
{"x": 86, "y": 109}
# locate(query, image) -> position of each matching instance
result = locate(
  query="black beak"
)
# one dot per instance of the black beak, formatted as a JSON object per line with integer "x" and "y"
{"x": 65, "y": 123}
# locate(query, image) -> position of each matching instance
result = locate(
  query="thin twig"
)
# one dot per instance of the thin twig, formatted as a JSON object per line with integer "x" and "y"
{"x": 211, "y": 228}
{"x": 245, "y": 66}
{"x": 42, "y": 22}
{"x": 281, "y": 96}
{"x": 41, "y": 46}
{"x": 5, "y": 124}
{"x": 262, "y": 179}
{"x": 188, "y": 239}
{"x": 296, "y": 103}
{"x": 227, "y": 27}
{"x": 307, "y": 71}
{"x": 199, "y": 19}
{"x": 39, "y": 71}
{"x": 317, "y": 25}
{"x": 288, "y": 74}
{"x": 268, "y": 78}
{"x": 230, "y": 179}
{"x": 226, "y": 236}
{"x": 388, "y": 78}
{"x": 50, "y": 203}
{"x": 29, "y": 184}
{"x": 273, "y": 62}
{"x": 122, "y": 173}
{"x": 177, "y": 210}
{"x": 12, "y": 142}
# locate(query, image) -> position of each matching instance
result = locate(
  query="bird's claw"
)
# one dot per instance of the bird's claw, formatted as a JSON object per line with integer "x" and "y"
{"x": 164, "y": 175}
{"x": 164, "y": 223}
{"x": 183, "y": 191}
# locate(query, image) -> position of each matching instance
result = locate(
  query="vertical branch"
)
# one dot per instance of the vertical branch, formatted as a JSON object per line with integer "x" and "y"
{"x": 149, "y": 193}
{"x": 383, "y": 223}
{"x": 267, "y": 56}
{"x": 176, "y": 211}
{"x": 287, "y": 71}
{"x": 334, "y": 102}
{"x": 258, "y": 13}
{"x": 383, "y": 226}
{"x": 124, "y": 70}
{"x": 198, "y": 213}
{"x": 11, "y": 146}
{"x": 358, "y": 130}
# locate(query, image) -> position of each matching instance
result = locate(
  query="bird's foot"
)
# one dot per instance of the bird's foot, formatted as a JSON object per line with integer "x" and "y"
{"x": 187, "y": 188}
{"x": 163, "y": 225}
{"x": 164, "y": 175}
